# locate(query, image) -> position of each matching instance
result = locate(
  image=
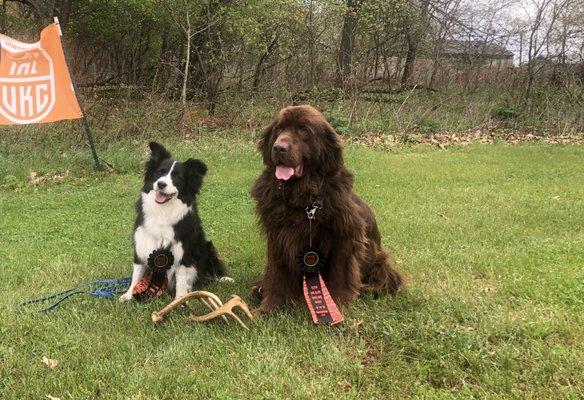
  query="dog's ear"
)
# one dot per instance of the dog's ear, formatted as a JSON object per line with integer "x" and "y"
{"x": 332, "y": 157}
{"x": 196, "y": 167}
{"x": 157, "y": 154}
{"x": 264, "y": 144}
{"x": 194, "y": 171}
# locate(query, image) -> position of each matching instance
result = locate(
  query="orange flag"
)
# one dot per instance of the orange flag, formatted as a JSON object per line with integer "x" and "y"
{"x": 35, "y": 85}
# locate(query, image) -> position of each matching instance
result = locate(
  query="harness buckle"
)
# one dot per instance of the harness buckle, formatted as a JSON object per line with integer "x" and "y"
{"x": 311, "y": 210}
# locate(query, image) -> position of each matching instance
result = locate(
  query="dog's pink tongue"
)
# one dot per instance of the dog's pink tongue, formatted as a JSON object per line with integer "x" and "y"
{"x": 160, "y": 198}
{"x": 284, "y": 173}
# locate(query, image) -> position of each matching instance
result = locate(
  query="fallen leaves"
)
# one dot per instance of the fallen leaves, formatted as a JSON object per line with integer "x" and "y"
{"x": 486, "y": 133}
{"x": 356, "y": 325}
{"x": 52, "y": 364}
{"x": 344, "y": 384}
{"x": 49, "y": 362}
{"x": 36, "y": 179}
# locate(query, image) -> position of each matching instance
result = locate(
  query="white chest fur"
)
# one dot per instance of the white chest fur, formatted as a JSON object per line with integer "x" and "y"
{"x": 157, "y": 229}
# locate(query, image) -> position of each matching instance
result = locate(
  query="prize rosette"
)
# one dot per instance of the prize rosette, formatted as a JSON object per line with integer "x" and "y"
{"x": 321, "y": 305}
{"x": 155, "y": 283}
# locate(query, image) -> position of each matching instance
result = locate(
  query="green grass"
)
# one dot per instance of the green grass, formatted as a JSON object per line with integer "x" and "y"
{"x": 490, "y": 237}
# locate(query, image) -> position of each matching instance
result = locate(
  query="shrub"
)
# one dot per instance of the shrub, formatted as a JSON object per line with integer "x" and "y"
{"x": 428, "y": 125}
{"x": 11, "y": 182}
{"x": 504, "y": 111}
{"x": 338, "y": 121}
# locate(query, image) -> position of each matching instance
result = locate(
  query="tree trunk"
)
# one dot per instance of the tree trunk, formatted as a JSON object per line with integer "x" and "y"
{"x": 311, "y": 40}
{"x": 520, "y": 48}
{"x": 208, "y": 58}
{"x": 413, "y": 39}
{"x": 183, "y": 96}
{"x": 410, "y": 57}
{"x": 260, "y": 70}
{"x": 435, "y": 66}
{"x": 345, "y": 58}
{"x": 530, "y": 79}
{"x": 376, "y": 65}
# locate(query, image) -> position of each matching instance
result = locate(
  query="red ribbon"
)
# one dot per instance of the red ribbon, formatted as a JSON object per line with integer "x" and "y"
{"x": 149, "y": 287}
{"x": 321, "y": 305}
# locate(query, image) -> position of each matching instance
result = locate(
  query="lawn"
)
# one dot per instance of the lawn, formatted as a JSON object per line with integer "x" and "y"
{"x": 490, "y": 237}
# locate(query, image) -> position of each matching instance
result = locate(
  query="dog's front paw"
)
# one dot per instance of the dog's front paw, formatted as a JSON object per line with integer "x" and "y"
{"x": 256, "y": 292}
{"x": 126, "y": 296}
{"x": 225, "y": 279}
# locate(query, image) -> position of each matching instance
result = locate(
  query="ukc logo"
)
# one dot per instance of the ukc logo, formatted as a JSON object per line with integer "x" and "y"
{"x": 27, "y": 89}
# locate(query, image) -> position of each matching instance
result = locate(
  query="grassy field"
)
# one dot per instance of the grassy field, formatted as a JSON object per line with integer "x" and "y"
{"x": 490, "y": 237}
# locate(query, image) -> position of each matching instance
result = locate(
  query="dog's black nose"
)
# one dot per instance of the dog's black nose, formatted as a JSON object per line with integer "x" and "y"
{"x": 280, "y": 147}
{"x": 161, "y": 185}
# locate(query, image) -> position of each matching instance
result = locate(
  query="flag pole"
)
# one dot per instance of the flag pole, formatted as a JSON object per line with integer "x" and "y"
{"x": 97, "y": 166}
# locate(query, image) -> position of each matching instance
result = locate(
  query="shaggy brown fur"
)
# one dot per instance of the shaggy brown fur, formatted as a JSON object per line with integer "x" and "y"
{"x": 345, "y": 228}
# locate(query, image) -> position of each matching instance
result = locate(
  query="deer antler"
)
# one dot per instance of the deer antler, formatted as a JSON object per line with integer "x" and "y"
{"x": 207, "y": 298}
{"x": 226, "y": 309}
{"x": 218, "y": 309}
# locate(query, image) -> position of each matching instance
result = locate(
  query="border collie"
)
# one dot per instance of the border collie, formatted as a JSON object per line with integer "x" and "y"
{"x": 167, "y": 217}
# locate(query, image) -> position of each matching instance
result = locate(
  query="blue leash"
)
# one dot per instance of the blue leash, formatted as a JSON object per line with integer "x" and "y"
{"x": 106, "y": 288}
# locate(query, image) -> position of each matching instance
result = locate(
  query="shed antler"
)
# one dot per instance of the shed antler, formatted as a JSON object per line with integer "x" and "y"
{"x": 207, "y": 298}
{"x": 226, "y": 309}
{"x": 218, "y": 309}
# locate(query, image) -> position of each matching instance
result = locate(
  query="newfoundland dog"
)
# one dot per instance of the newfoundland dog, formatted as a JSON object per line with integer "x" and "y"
{"x": 304, "y": 170}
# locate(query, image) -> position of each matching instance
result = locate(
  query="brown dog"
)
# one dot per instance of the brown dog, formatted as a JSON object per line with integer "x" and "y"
{"x": 304, "y": 162}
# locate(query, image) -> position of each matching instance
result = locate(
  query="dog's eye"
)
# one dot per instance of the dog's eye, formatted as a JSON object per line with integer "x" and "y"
{"x": 162, "y": 171}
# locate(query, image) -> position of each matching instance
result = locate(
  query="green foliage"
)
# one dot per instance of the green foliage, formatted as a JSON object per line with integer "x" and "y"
{"x": 248, "y": 46}
{"x": 11, "y": 182}
{"x": 428, "y": 125}
{"x": 338, "y": 121}
{"x": 112, "y": 22}
{"x": 504, "y": 111}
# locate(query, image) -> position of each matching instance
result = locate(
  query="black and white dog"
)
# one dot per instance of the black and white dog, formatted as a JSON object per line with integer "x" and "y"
{"x": 167, "y": 217}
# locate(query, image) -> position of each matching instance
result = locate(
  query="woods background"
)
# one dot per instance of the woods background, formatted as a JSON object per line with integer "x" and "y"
{"x": 376, "y": 67}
